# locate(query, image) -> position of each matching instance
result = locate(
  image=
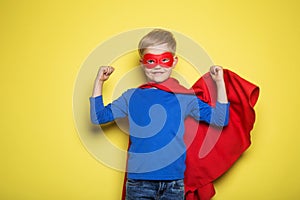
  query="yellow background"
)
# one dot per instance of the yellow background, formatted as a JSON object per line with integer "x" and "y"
{"x": 44, "y": 43}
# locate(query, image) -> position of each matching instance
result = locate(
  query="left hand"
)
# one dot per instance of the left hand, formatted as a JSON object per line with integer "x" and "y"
{"x": 216, "y": 73}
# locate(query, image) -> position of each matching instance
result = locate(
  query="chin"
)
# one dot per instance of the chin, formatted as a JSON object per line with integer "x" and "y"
{"x": 158, "y": 80}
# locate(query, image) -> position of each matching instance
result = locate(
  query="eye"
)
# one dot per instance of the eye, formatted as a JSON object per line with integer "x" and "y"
{"x": 165, "y": 60}
{"x": 150, "y": 61}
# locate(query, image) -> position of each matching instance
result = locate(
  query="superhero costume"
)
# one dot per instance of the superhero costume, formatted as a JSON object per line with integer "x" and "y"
{"x": 156, "y": 123}
{"x": 213, "y": 151}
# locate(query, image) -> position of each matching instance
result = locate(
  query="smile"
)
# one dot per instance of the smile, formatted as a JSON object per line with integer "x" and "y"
{"x": 157, "y": 73}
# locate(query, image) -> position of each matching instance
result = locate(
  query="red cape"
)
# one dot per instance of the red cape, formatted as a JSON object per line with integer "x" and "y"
{"x": 211, "y": 151}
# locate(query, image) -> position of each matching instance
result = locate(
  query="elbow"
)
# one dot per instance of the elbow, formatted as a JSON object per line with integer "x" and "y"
{"x": 220, "y": 116}
{"x": 96, "y": 118}
{"x": 221, "y": 123}
{"x": 225, "y": 123}
{"x": 221, "y": 120}
{"x": 101, "y": 117}
{"x": 95, "y": 121}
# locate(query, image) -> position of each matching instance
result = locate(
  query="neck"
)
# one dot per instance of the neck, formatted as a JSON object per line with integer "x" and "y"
{"x": 154, "y": 82}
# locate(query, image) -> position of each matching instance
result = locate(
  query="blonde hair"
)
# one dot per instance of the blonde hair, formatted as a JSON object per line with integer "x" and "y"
{"x": 157, "y": 37}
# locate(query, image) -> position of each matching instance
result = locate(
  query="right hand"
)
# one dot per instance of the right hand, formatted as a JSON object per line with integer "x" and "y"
{"x": 104, "y": 72}
{"x": 216, "y": 73}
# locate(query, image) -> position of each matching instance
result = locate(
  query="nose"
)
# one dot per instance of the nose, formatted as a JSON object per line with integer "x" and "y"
{"x": 157, "y": 67}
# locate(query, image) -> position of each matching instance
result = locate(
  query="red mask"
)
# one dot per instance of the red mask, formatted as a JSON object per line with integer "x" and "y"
{"x": 152, "y": 60}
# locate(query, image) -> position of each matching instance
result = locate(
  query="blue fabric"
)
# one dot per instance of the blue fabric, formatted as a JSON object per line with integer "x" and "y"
{"x": 156, "y": 126}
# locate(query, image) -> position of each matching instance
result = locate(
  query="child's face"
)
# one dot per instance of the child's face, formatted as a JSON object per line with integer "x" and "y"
{"x": 162, "y": 70}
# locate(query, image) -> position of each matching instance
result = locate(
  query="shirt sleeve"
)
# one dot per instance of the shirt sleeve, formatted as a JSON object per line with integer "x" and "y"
{"x": 218, "y": 115}
{"x": 101, "y": 114}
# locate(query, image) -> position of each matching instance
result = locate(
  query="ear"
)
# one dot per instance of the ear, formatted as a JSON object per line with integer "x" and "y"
{"x": 141, "y": 64}
{"x": 175, "y": 61}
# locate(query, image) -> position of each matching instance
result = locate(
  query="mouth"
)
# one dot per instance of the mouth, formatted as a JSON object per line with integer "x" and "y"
{"x": 157, "y": 73}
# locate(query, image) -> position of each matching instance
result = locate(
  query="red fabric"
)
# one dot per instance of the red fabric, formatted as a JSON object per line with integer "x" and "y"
{"x": 211, "y": 151}
{"x": 170, "y": 85}
{"x": 206, "y": 164}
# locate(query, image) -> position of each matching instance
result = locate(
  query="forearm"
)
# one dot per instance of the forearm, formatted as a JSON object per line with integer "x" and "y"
{"x": 220, "y": 114}
{"x": 221, "y": 91}
{"x": 98, "y": 86}
{"x": 99, "y": 113}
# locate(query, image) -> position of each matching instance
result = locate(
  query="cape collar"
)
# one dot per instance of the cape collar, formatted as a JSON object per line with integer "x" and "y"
{"x": 170, "y": 85}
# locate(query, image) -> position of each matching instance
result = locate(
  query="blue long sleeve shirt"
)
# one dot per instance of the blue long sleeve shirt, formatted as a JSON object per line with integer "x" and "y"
{"x": 156, "y": 127}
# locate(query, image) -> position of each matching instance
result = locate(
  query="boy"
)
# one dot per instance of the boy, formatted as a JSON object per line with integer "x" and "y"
{"x": 156, "y": 112}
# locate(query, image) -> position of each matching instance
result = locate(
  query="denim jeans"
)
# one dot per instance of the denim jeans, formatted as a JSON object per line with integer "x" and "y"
{"x": 154, "y": 190}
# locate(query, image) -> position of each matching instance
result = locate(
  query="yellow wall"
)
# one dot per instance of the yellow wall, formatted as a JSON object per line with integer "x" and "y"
{"x": 45, "y": 43}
